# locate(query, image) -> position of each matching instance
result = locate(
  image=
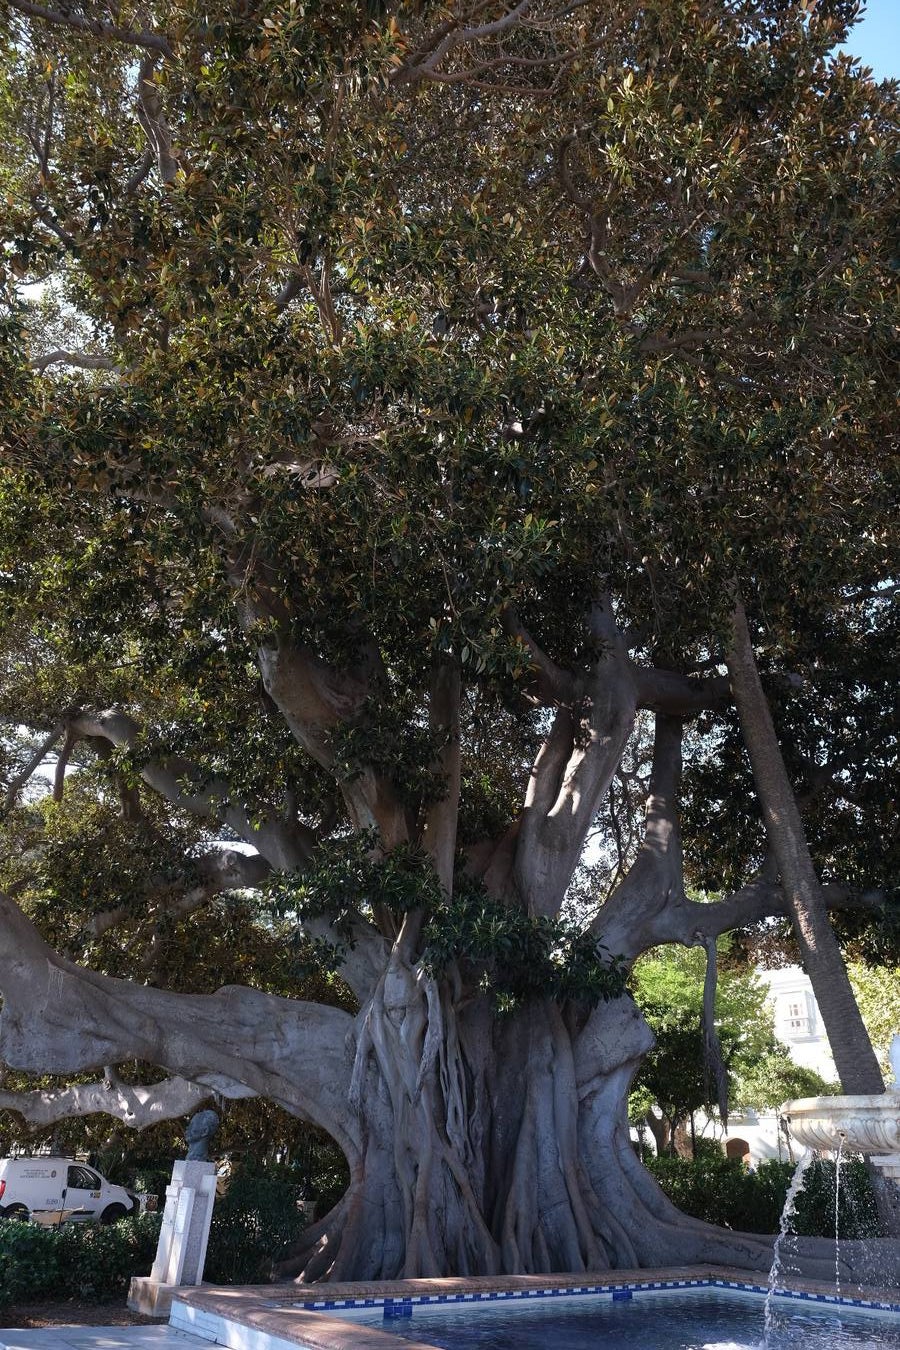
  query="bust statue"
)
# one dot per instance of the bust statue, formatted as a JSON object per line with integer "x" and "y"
{"x": 201, "y": 1128}
{"x": 894, "y": 1057}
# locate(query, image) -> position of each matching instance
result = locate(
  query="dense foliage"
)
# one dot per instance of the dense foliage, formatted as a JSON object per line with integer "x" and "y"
{"x": 400, "y": 404}
{"x": 254, "y": 1225}
{"x": 723, "y": 1189}
{"x": 89, "y": 1262}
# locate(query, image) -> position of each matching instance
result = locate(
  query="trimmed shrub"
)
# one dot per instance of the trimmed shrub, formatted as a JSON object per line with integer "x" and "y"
{"x": 723, "y": 1191}
{"x": 857, "y": 1212}
{"x": 97, "y": 1261}
{"x": 29, "y": 1262}
{"x": 90, "y": 1262}
{"x": 254, "y": 1224}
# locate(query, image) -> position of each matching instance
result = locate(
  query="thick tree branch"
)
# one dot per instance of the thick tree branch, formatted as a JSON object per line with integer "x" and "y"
{"x": 312, "y": 696}
{"x": 19, "y": 780}
{"x": 62, "y": 1018}
{"x": 62, "y": 763}
{"x": 83, "y": 360}
{"x": 653, "y": 889}
{"x": 284, "y": 844}
{"x": 140, "y": 173}
{"x": 853, "y": 1054}
{"x": 761, "y": 899}
{"x": 224, "y": 870}
{"x": 289, "y": 291}
{"x": 153, "y": 121}
{"x": 573, "y": 771}
{"x": 98, "y": 28}
{"x": 68, "y": 241}
{"x": 665, "y": 691}
{"x": 135, "y": 1104}
{"x": 553, "y": 684}
{"x": 693, "y": 923}
{"x": 315, "y": 699}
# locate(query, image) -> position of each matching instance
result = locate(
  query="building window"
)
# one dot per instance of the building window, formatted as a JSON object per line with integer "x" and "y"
{"x": 798, "y": 1021}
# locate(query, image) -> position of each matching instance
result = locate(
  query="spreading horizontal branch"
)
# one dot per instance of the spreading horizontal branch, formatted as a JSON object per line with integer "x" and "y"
{"x": 762, "y": 899}
{"x": 666, "y": 691}
{"x": 134, "y": 1104}
{"x": 691, "y": 922}
{"x": 62, "y": 1018}
{"x": 224, "y": 870}
{"x": 83, "y": 360}
{"x": 66, "y": 17}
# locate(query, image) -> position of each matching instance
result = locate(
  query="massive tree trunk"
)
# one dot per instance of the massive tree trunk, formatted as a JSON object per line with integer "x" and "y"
{"x": 476, "y": 1142}
{"x": 510, "y": 1153}
{"x": 854, "y": 1057}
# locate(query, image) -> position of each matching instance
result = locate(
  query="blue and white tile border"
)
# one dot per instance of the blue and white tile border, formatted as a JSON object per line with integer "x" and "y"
{"x": 843, "y": 1300}
{"x": 395, "y": 1305}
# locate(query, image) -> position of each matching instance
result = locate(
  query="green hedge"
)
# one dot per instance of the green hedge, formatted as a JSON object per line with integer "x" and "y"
{"x": 90, "y": 1262}
{"x": 724, "y": 1191}
{"x": 253, "y": 1225}
{"x": 258, "y": 1219}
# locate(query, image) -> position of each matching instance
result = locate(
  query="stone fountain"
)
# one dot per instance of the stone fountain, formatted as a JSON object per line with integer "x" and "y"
{"x": 869, "y": 1125}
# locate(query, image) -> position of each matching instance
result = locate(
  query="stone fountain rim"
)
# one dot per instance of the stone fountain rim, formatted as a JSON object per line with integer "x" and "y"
{"x": 875, "y": 1102}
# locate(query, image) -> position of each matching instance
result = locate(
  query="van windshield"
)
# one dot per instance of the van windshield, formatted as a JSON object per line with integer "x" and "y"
{"x": 83, "y": 1178}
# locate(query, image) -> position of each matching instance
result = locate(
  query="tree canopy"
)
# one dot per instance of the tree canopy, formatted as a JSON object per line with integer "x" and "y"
{"x": 397, "y": 399}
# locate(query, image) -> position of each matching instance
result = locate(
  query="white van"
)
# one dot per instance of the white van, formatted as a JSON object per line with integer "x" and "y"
{"x": 56, "y": 1190}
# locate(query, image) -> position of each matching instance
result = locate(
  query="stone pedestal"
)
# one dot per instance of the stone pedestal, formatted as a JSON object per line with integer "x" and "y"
{"x": 181, "y": 1252}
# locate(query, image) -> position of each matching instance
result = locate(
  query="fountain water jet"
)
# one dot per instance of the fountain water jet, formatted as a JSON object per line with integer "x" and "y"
{"x": 787, "y": 1213}
{"x": 864, "y": 1124}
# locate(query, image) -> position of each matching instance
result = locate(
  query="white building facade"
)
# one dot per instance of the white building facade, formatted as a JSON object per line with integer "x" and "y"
{"x": 755, "y": 1136}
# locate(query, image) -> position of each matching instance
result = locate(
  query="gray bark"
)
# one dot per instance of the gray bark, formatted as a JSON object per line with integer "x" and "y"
{"x": 476, "y": 1143}
{"x": 62, "y": 1018}
{"x": 137, "y": 1105}
{"x": 573, "y": 770}
{"x": 854, "y": 1057}
{"x": 652, "y": 893}
{"x": 283, "y": 844}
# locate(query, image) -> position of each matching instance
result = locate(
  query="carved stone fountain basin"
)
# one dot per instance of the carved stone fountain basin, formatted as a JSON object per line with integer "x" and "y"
{"x": 868, "y": 1125}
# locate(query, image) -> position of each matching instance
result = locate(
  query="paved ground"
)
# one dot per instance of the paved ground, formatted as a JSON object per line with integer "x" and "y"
{"x": 100, "y": 1338}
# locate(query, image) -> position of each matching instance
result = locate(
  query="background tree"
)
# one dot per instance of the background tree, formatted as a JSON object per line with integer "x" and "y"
{"x": 676, "y": 1077}
{"x": 394, "y": 400}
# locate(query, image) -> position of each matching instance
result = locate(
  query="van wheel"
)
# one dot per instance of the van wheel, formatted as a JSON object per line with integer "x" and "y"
{"x": 16, "y": 1212}
{"x": 113, "y": 1213}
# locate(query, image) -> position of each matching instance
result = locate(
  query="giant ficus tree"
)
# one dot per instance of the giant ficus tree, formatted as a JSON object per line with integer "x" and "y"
{"x": 400, "y": 401}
